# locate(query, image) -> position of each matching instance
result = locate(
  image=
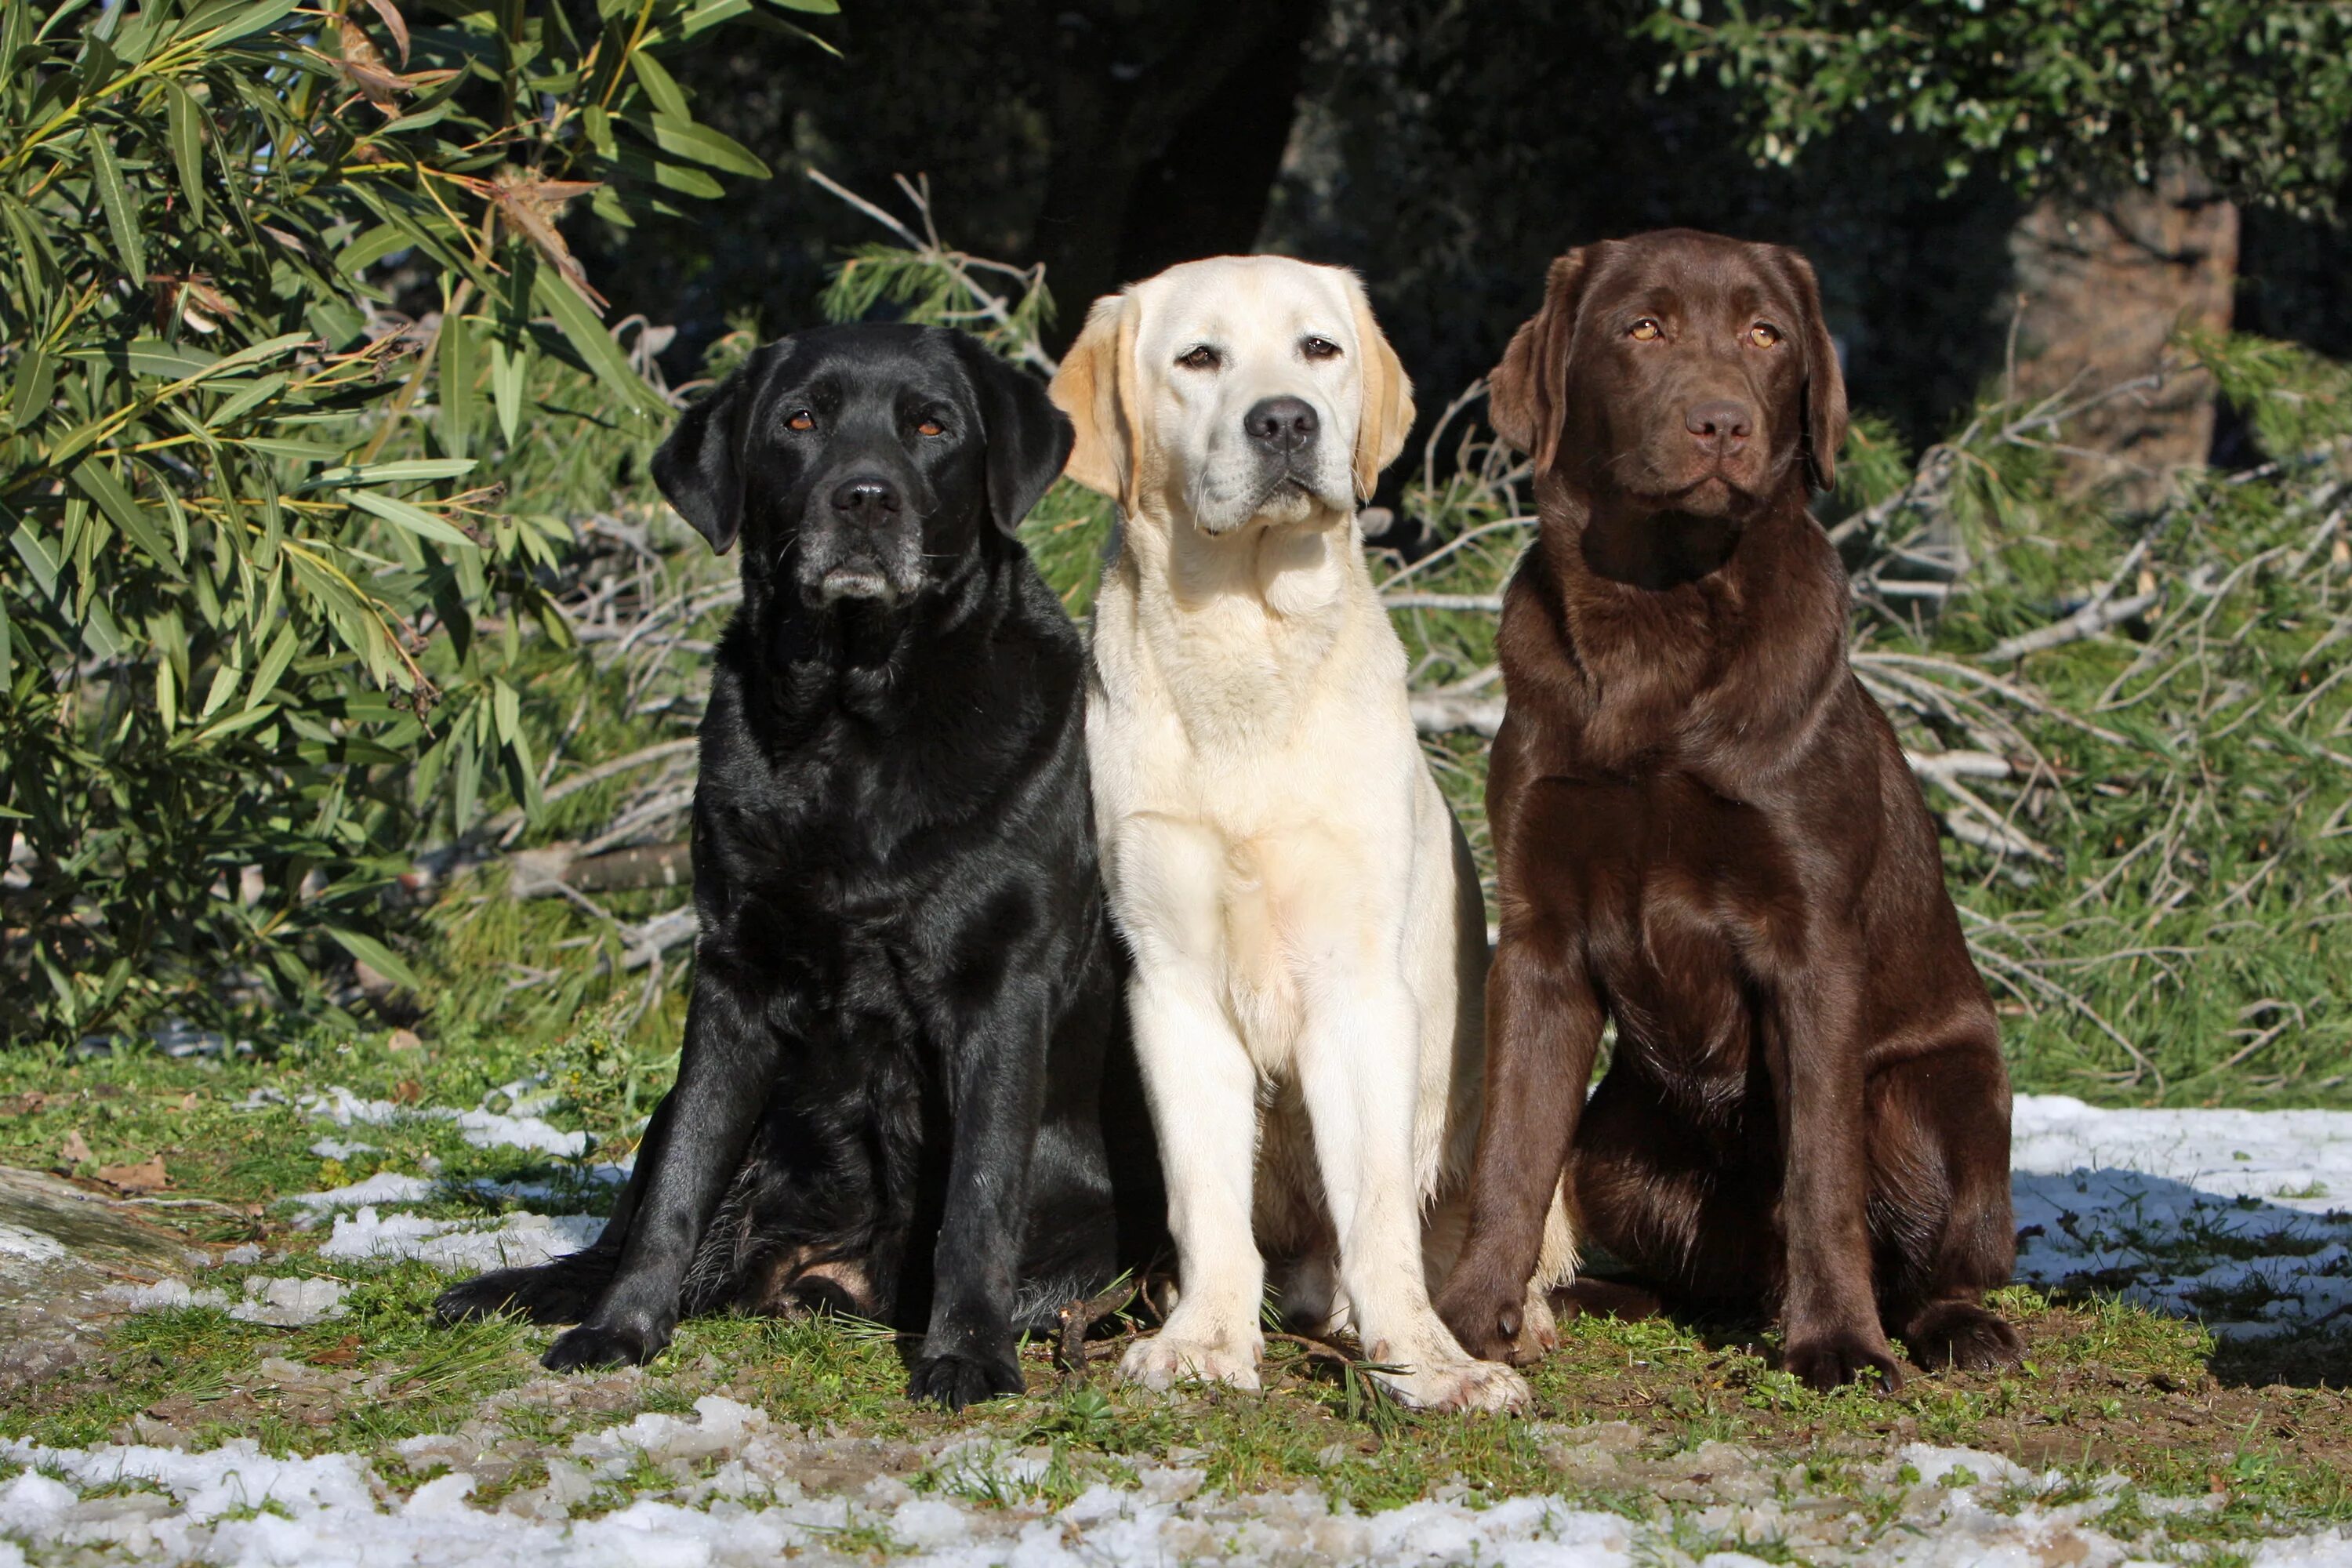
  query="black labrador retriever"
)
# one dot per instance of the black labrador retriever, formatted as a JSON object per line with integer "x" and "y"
{"x": 906, "y": 1033}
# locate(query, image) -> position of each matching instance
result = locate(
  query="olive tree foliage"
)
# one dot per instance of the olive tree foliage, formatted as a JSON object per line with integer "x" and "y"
{"x": 261, "y": 589}
{"x": 2256, "y": 93}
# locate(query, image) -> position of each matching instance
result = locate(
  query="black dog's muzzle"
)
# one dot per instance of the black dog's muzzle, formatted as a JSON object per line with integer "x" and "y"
{"x": 861, "y": 539}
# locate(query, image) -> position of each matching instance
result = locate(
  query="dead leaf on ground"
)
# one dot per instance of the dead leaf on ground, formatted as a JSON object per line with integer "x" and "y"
{"x": 75, "y": 1149}
{"x": 147, "y": 1177}
{"x": 404, "y": 1040}
{"x": 407, "y": 1091}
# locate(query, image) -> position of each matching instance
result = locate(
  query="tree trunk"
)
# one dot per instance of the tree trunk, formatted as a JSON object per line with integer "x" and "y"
{"x": 2104, "y": 283}
{"x": 1168, "y": 128}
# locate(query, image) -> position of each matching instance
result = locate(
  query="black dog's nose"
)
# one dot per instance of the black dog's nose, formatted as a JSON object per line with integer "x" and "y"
{"x": 1719, "y": 422}
{"x": 1285, "y": 423}
{"x": 867, "y": 498}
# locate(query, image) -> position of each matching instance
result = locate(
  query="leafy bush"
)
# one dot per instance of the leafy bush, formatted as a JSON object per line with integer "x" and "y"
{"x": 262, "y": 600}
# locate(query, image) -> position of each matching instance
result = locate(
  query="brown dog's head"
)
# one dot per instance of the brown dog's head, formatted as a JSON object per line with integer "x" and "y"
{"x": 1676, "y": 371}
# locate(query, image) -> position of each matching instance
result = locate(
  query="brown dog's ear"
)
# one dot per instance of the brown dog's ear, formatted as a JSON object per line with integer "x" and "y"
{"x": 1824, "y": 386}
{"x": 1386, "y": 416}
{"x": 1527, "y": 397}
{"x": 1096, "y": 387}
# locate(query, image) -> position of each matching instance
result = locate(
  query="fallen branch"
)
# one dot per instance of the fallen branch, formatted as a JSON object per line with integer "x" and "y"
{"x": 2087, "y": 622}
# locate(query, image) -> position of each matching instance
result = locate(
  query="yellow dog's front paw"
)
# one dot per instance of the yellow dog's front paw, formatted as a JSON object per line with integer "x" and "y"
{"x": 1169, "y": 1358}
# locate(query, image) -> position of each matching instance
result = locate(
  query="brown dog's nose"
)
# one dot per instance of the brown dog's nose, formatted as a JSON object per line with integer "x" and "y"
{"x": 1283, "y": 423}
{"x": 1719, "y": 423}
{"x": 867, "y": 498}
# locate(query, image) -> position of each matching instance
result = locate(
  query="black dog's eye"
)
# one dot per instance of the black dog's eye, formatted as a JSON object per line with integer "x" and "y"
{"x": 1645, "y": 331}
{"x": 1319, "y": 348}
{"x": 1763, "y": 334}
{"x": 1201, "y": 358}
{"x": 930, "y": 427}
{"x": 800, "y": 419}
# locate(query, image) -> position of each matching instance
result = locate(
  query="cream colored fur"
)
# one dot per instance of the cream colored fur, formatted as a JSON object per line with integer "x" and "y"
{"x": 1309, "y": 938}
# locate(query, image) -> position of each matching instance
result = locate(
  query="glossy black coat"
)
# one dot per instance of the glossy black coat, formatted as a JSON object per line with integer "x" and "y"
{"x": 907, "y": 1036}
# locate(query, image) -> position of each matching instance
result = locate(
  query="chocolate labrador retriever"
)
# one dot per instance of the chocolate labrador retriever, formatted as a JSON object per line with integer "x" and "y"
{"x": 1706, "y": 832}
{"x": 893, "y": 1091}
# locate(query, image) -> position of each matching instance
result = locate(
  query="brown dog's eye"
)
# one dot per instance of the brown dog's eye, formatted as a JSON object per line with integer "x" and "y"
{"x": 1763, "y": 334}
{"x": 801, "y": 419}
{"x": 1645, "y": 331}
{"x": 1319, "y": 348}
{"x": 1201, "y": 358}
{"x": 930, "y": 427}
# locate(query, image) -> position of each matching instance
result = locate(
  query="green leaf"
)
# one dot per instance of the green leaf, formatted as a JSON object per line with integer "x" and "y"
{"x": 660, "y": 86}
{"x": 506, "y": 707}
{"x": 593, "y": 344}
{"x": 240, "y": 21}
{"x": 98, "y": 482}
{"x": 36, "y": 382}
{"x": 282, "y": 649}
{"x": 106, "y": 175}
{"x": 376, "y": 956}
{"x": 507, "y": 366}
{"x": 705, "y": 145}
{"x": 187, "y": 146}
{"x": 812, "y": 8}
{"x": 414, "y": 519}
{"x": 458, "y": 373}
{"x": 40, "y": 558}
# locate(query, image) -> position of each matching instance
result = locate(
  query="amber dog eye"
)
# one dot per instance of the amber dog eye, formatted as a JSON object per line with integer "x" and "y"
{"x": 1763, "y": 334}
{"x": 1645, "y": 331}
{"x": 801, "y": 419}
{"x": 931, "y": 427}
{"x": 1319, "y": 348}
{"x": 1201, "y": 358}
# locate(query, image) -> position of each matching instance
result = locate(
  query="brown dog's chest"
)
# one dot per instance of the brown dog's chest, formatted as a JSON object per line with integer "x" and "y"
{"x": 1681, "y": 904}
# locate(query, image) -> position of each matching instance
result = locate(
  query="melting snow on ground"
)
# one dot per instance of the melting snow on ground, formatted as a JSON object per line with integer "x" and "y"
{"x": 735, "y": 1498}
{"x": 2234, "y": 1216}
{"x": 2238, "y": 1217}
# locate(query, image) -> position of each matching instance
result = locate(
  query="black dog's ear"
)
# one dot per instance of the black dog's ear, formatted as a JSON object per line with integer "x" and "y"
{"x": 1527, "y": 400}
{"x": 1028, "y": 439}
{"x": 698, "y": 466}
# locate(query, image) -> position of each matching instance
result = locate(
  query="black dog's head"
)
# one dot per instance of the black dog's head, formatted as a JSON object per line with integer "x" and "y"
{"x": 862, "y": 464}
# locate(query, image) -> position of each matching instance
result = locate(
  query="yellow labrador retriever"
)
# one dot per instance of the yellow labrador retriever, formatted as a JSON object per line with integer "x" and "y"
{"x": 1309, "y": 939}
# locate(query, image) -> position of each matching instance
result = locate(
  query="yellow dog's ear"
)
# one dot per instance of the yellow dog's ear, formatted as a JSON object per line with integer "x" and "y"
{"x": 1387, "y": 415}
{"x": 1096, "y": 387}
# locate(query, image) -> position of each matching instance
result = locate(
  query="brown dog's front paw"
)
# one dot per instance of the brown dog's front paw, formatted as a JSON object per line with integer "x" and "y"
{"x": 1486, "y": 1324}
{"x": 1832, "y": 1360}
{"x": 1962, "y": 1335}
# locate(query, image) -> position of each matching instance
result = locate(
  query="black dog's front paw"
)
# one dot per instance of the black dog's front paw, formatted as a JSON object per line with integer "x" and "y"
{"x": 956, "y": 1381}
{"x": 593, "y": 1344}
{"x": 552, "y": 1293}
{"x": 1832, "y": 1360}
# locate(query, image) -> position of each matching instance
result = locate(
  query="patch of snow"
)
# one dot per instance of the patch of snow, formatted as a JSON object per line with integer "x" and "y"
{"x": 2234, "y": 1216}
{"x": 481, "y": 1126}
{"x": 29, "y": 1245}
{"x": 163, "y": 1296}
{"x": 291, "y": 1303}
{"x": 454, "y": 1245}
{"x": 337, "y": 1149}
{"x": 384, "y": 1187}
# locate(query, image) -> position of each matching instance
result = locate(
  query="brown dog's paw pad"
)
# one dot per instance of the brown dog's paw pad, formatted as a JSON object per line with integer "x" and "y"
{"x": 1963, "y": 1336}
{"x": 1826, "y": 1361}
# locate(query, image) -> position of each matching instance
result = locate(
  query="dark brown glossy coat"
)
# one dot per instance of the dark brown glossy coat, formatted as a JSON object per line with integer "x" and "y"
{"x": 1706, "y": 833}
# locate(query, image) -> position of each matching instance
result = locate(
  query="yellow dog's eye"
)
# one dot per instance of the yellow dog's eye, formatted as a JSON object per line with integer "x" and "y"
{"x": 930, "y": 427}
{"x": 1645, "y": 331}
{"x": 801, "y": 419}
{"x": 1201, "y": 358}
{"x": 1763, "y": 334}
{"x": 1319, "y": 348}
